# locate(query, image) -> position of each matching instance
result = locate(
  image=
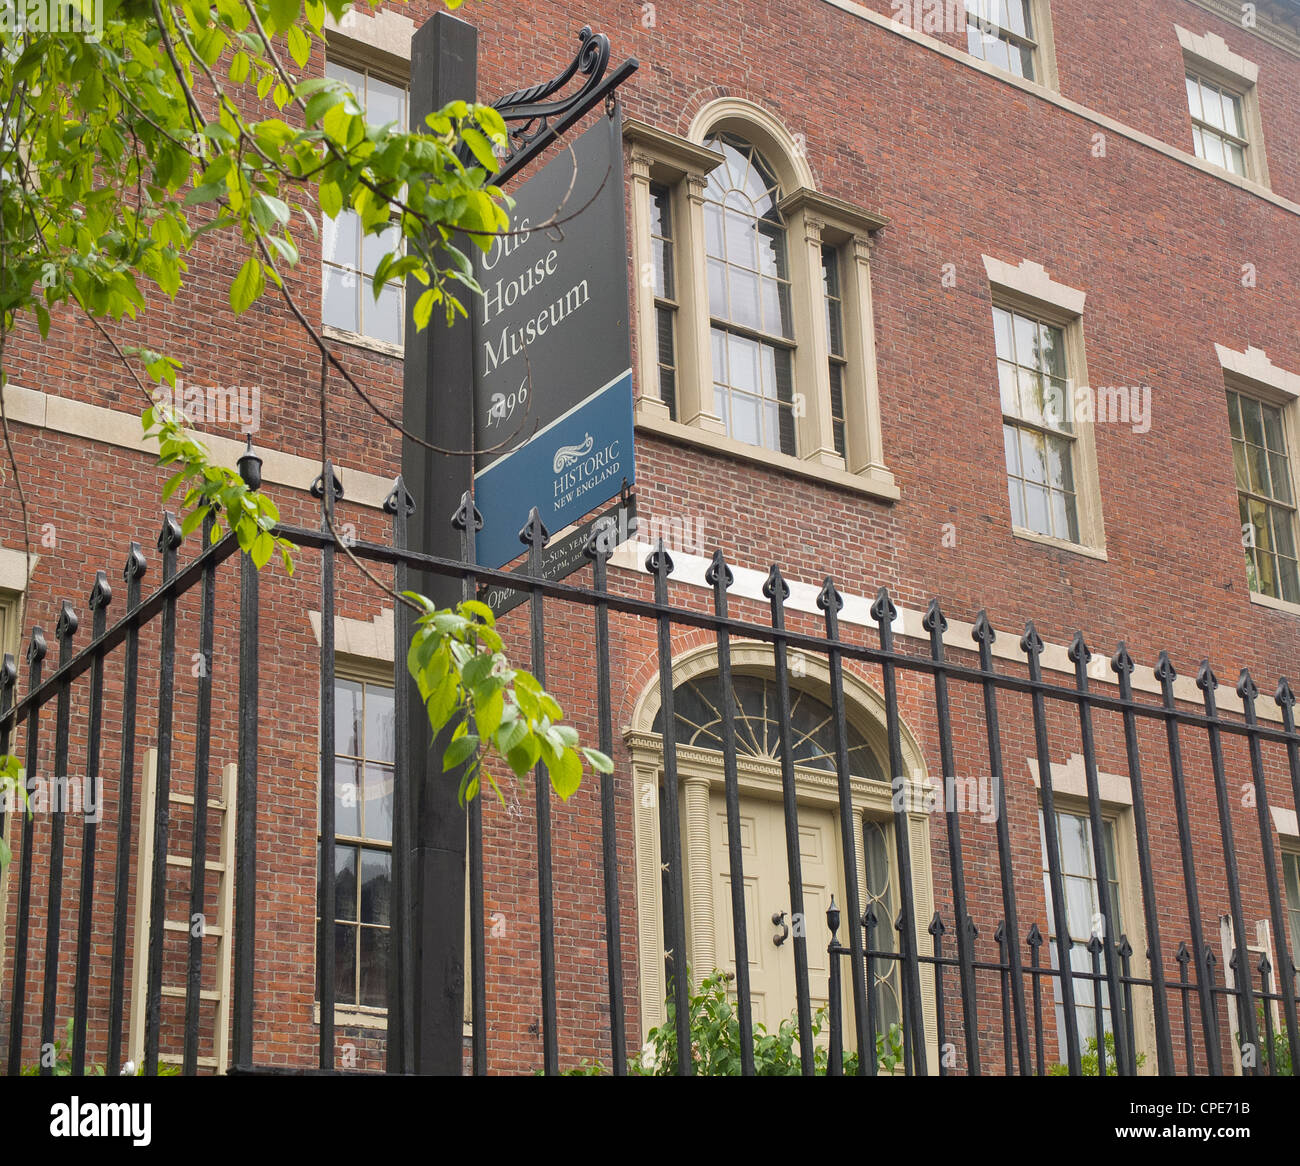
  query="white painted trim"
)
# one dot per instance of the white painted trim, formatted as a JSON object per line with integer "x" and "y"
{"x": 121, "y": 428}
{"x": 761, "y": 127}
{"x": 688, "y": 570}
{"x": 387, "y": 31}
{"x": 13, "y": 569}
{"x": 1031, "y": 279}
{"x": 1045, "y": 94}
{"x": 1285, "y": 822}
{"x": 1213, "y": 49}
{"x": 876, "y": 482}
{"x": 371, "y": 639}
{"x": 1072, "y": 778}
{"x": 1254, "y": 365}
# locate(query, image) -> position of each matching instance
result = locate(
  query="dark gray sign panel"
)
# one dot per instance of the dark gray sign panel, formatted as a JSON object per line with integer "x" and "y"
{"x": 552, "y": 362}
{"x": 565, "y": 556}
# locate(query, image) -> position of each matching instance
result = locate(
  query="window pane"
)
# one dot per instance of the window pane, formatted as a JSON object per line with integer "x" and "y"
{"x": 1194, "y": 98}
{"x": 1214, "y": 149}
{"x": 339, "y": 243}
{"x": 345, "y": 963}
{"x": 347, "y": 717}
{"x": 379, "y": 803}
{"x": 376, "y": 884}
{"x": 345, "y": 882}
{"x": 375, "y": 247}
{"x": 340, "y": 306}
{"x": 1002, "y": 333}
{"x": 745, "y": 424}
{"x": 1036, "y": 510}
{"x": 1274, "y": 435}
{"x": 383, "y": 319}
{"x": 1033, "y": 460}
{"x": 744, "y": 299}
{"x": 379, "y": 723}
{"x": 347, "y": 797}
{"x": 1234, "y": 415}
{"x": 374, "y": 966}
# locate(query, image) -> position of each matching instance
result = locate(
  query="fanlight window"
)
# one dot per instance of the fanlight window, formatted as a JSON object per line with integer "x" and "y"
{"x": 697, "y": 708}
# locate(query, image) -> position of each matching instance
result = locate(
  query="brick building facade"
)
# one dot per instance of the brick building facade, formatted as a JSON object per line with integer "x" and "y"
{"x": 988, "y": 214}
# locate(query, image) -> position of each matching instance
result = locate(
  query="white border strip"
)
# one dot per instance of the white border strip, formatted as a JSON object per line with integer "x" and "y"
{"x": 880, "y": 20}
{"x": 690, "y": 569}
{"x": 117, "y": 427}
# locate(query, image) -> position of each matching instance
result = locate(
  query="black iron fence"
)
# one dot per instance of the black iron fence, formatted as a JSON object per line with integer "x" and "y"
{"x": 1011, "y": 988}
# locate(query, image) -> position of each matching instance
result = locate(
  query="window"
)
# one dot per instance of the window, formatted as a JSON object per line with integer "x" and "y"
{"x": 749, "y": 298}
{"x": 1265, "y": 496}
{"x": 696, "y": 711}
{"x": 1083, "y": 912}
{"x": 349, "y": 259}
{"x": 1037, "y": 429}
{"x": 1218, "y": 124}
{"x": 735, "y": 353}
{"x": 363, "y": 823}
{"x": 835, "y": 343}
{"x": 1291, "y": 876}
{"x": 1002, "y": 32}
{"x": 881, "y": 898}
{"x": 665, "y": 280}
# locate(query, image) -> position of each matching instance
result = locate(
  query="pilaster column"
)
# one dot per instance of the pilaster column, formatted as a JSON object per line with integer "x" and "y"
{"x": 865, "y": 448}
{"x": 699, "y": 866}
{"x": 695, "y": 384}
{"x": 643, "y": 293}
{"x": 812, "y": 377}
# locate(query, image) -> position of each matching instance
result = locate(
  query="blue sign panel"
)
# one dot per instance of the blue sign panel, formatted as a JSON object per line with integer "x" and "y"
{"x": 553, "y": 377}
{"x": 566, "y": 470}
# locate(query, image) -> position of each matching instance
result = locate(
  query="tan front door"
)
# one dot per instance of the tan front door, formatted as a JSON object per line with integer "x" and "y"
{"x": 767, "y": 893}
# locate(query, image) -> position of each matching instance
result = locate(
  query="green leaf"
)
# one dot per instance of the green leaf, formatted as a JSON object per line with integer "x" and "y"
{"x": 248, "y": 286}
{"x": 284, "y": 13}
{"x": 566, "y": 774}
{"x": 423, "y": 309}
{"x": 488, "y": 713}
{"x": 299, "y": 45}
{"x": 598, "y": 761}
{"x": 481, "y": 148}
{"x": 459, "y": 751}
{"x": 331, "y": 199}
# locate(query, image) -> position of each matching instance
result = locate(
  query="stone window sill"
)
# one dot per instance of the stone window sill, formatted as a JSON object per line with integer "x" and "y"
{"x": 1061, "y": 544}
{"x": 1276, "y": 604}
{"x": 343, "y": 336}
{"x": 874, "y": 483}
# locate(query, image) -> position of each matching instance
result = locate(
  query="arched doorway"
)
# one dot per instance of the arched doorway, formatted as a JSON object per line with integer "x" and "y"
{"x": 706, "y": 870}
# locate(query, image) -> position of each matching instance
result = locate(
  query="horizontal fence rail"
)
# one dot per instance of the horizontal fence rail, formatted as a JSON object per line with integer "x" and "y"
{"x": 950, "y": 947}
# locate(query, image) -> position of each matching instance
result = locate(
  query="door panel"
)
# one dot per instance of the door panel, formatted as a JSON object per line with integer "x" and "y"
{"x": 767, "y": 891}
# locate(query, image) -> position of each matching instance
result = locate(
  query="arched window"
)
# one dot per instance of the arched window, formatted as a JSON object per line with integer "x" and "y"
{"x": 753, "y": 301}
{"x": 749, "y": 298}
{"x": 697, "y": 710}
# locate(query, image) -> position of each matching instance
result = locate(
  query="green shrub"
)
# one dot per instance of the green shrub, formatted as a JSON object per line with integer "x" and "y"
{"x": 1088, "y": 1060}
{"x": 62, "y": 1066}
{"x": 715, "y": 1042}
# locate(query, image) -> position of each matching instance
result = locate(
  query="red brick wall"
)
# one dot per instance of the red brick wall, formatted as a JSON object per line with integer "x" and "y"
{"x": 963, "y": 165}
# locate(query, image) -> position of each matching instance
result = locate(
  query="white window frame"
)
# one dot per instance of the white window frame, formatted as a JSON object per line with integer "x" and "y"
{"x": 812, "y": 219}
{"x": 372, "y": 47}
{"x": 1208, "y": 58}
{"x": 1042, "y": 43}
{"x": 1027, "y": 288}
{"x": 1070, "y": 795}
{"x": 1252, "y": 374}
